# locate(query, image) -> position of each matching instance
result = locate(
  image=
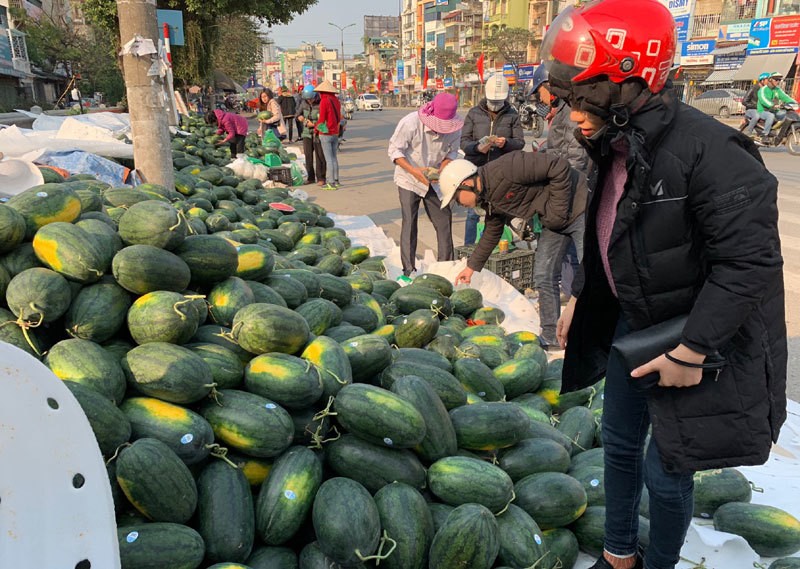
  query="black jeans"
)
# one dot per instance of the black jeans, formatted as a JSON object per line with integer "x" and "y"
{"x": 312, "y": 149}
{"x": 442, "y": 220}
{"x": 289, "y": 128}
{"x": 237, "y": 145}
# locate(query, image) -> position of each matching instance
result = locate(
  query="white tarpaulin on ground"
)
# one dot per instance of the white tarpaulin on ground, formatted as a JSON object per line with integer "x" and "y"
{"x": 779, "y": 477}
{"x": 18, "y": 142}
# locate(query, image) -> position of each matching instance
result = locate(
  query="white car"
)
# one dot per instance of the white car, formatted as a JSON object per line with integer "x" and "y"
{"x": 368, "y": 102}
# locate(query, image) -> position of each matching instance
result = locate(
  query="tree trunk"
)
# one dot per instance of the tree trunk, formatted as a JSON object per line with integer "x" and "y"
{"x": 152, "y": 153}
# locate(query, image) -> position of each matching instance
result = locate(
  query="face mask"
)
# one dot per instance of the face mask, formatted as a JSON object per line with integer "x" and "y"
{"x": 495, "y": 106}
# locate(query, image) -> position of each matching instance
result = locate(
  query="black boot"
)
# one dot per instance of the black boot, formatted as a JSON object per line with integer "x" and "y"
{"x": 603, "y": 564}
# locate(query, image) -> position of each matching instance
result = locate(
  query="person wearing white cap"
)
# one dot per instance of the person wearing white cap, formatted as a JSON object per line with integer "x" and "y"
{"x": 519, "y": 184}
{"x": 423, "y": 143}
{"x": 492, "y": 128}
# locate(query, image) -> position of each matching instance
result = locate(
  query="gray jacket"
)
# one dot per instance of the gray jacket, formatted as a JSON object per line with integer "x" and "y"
{"x": 561, "y": 141}
{"x": 479, "y": 123}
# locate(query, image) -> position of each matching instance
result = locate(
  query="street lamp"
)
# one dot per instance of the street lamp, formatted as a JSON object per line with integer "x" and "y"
{"x": 341, "y": 31}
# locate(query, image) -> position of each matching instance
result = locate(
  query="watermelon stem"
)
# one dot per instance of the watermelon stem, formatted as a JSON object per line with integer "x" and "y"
{"x": 24, "y": 327}
{"x": 695, "y": 564}
{"x": 221, "y": 453}
{"x": 379, "y": 556}
{"x": 504, "y": 510}
{"x": 116, "y": 453}
{"x": 755, "y": 488}
{"x": 188, "y": 299}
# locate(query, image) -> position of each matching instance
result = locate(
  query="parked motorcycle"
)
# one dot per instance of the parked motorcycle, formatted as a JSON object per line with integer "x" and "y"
{"x": 784, "y": 132}
{"x": 529, "y": 116}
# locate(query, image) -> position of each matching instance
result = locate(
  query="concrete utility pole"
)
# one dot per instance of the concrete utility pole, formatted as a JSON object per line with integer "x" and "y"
{"x": 152, "y": 153}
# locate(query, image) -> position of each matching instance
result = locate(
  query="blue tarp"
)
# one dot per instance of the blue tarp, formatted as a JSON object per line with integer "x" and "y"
{"x": 79, "y": 162}
{"x": 252, "y": 84}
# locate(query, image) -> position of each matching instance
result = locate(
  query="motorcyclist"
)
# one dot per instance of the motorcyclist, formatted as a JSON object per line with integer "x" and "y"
{"x": 750, "y": 103}
{"x": 769, "y": 98}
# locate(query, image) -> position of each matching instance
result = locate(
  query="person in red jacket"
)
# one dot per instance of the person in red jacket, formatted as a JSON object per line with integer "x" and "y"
{"x": 330, "y": 116}
{"x": 235, "y": 127}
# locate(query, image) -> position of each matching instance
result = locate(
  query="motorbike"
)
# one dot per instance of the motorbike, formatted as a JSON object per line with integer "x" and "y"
{"x": 349, "y": 109}
{"x": 529, "y": 116}
{"x": 784, "y": 132}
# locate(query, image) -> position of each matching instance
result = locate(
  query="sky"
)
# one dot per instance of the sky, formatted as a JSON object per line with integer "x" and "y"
{"x": 312, "y": 26}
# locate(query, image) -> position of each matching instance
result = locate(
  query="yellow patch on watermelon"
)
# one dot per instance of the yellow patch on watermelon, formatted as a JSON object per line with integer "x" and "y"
{"x": 232, "y": 437}
{"x": 390, "y": 401}
{"x": 486, "y": 340}
{"x": 125, "y": 486}
{"x": 47, "y": 251}
{"x": 166, "y": 411}
{"x": 255, "y": 472}
{"x": 250, "y": 260}
{"x": 219, "y": 299}
{"x": 385, "y": 331}
{"x": 550, "y": 395}
{"x": 508, "y": 368}
{"x": 297, "y": 484}
{"x": 144, "y": 300}
{"x": 473, "y": 398}
{"x": 264, "y": 365}
{"x": 313, "y": 353}
{"x": 528, "y": 337}
{"x": 69, "y": 213}
{"x": 246, "y": 225}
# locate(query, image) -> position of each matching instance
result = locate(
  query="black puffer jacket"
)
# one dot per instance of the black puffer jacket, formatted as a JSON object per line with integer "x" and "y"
{"x": 696, "y": 233}
{"x": 478, "y": 123}
{"x": 521, "y": 184}
{"x": 561, "y": 140}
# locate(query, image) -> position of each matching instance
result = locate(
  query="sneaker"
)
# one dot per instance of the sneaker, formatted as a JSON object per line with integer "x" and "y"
{"x": 329, "y": 187}
{"x": 403, "y": 280}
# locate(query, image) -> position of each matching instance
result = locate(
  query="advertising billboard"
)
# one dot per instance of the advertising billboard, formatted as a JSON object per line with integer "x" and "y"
{"x": 698, "y": 52}
{"x": 774, "y": 35}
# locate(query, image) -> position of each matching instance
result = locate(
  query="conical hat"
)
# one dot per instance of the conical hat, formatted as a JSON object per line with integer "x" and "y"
{"x": 326, "y": 87}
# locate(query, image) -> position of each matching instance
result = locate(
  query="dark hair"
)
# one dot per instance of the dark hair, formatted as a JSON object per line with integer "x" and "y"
{"x": 261, "y": 105}
{"x": 211, "y": 117}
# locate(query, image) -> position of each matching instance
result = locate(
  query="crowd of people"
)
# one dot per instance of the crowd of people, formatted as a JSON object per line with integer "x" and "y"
{"x": 679, "y": 300}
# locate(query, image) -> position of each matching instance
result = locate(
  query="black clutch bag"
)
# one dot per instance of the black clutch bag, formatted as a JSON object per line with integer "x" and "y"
{"x": 638, "y": 348}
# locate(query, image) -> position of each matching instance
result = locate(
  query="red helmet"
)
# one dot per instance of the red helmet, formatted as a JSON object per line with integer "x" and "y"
{"x": 620, "y": 39}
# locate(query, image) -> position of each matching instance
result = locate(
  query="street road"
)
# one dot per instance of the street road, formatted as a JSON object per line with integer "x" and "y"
{"x": 367, "y": 189}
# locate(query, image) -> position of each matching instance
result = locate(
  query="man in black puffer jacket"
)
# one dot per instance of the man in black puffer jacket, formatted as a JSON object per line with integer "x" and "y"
{"x": 517, "y": 185}
{"x": 682, "y": 221}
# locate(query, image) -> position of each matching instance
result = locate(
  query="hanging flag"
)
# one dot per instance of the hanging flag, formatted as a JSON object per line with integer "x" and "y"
{"x": 355, "y": 87}
{"x": 480, "y": 67}
{"x": 425, "y": 79}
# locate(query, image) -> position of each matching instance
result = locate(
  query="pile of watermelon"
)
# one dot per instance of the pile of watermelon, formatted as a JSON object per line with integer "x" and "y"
{"x": 266, "y": 398}
{"x": 198, "y": 148}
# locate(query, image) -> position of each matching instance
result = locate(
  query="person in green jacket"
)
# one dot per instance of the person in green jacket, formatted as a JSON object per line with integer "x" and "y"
{"x": 769, "y": 97}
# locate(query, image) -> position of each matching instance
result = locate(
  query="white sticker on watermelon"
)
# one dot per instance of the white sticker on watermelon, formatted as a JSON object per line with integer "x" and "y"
{"x": 388, "y": 441}
{"x": 481, "y": 394}
{"x": 594, "y": 483}
{"x": 290, "y": 495}
{"x": 41, "y": 194}
{"x": 187, "y": 438}
{"x": 537, "y": 539}
{"x": 270, "y": 406}
{"x": 131, "y": 537}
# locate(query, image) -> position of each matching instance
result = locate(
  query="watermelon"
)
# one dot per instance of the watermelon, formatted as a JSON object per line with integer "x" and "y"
{"x": 374, "y": 466}
{"x": 489, "y": 425}
{"x": 478, "y": 378}
{"x": 12, "y": 228}
{"x": 288, "y": 380}
{"x": 468, "y": 538}
{"x": 254, "y": 262}
{"x": 287, "y": 495}
{"x": 47, "y": 203}
{"x": 519, "y": 376}
{"x": 209, "y": 258}
{"x": 368, "y": 354}
{"x": 466, "y": 301}
{"x": 144, "y": 268}
{"x": 521, "y": 541}
{"x": 346, "y": 521}
{"x": 552, "y": 499}
{"x": 460, "y": 480}
{"x": 770, "y": 531}
{"x": 266, "y": 295}
{"x": 445, "y": 384}
{"x": 562, "y": 548}
{"x": 70, "y": 251}
{"x": 436, "y": 282}
{"x": 156, "y": 482}
{"x": 713, "y": 488}
{"x": 251, "y": 424}
{"x": 185, "y": 432}
{"x": 110, "y": 426}
{"x": 416, "y": 329}
{"x": 534, "y": 455}
{"x": 225, "y": 514}
{"x": 153, "y": 223}
{"x": 379, "y": 416}
{"x": 88, "y": 364}
{"x": 162, "y": 316}
{"x": 163, "y": 545}
{"x": 226, "y": 298}
{"x": 272, "y": 558}
{"x": 261, "y": 328}
{"x": 169, "y": 372}
{"x": 579, "y": 426}
{"x": 227, "y": 371}
{"x": 405, "y": 517}
{"x": 38, "y": 295}
{"x": 331, "y": 363}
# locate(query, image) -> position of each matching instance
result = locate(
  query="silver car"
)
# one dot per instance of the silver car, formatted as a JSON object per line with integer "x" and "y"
{"x": 720, "y": 102}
